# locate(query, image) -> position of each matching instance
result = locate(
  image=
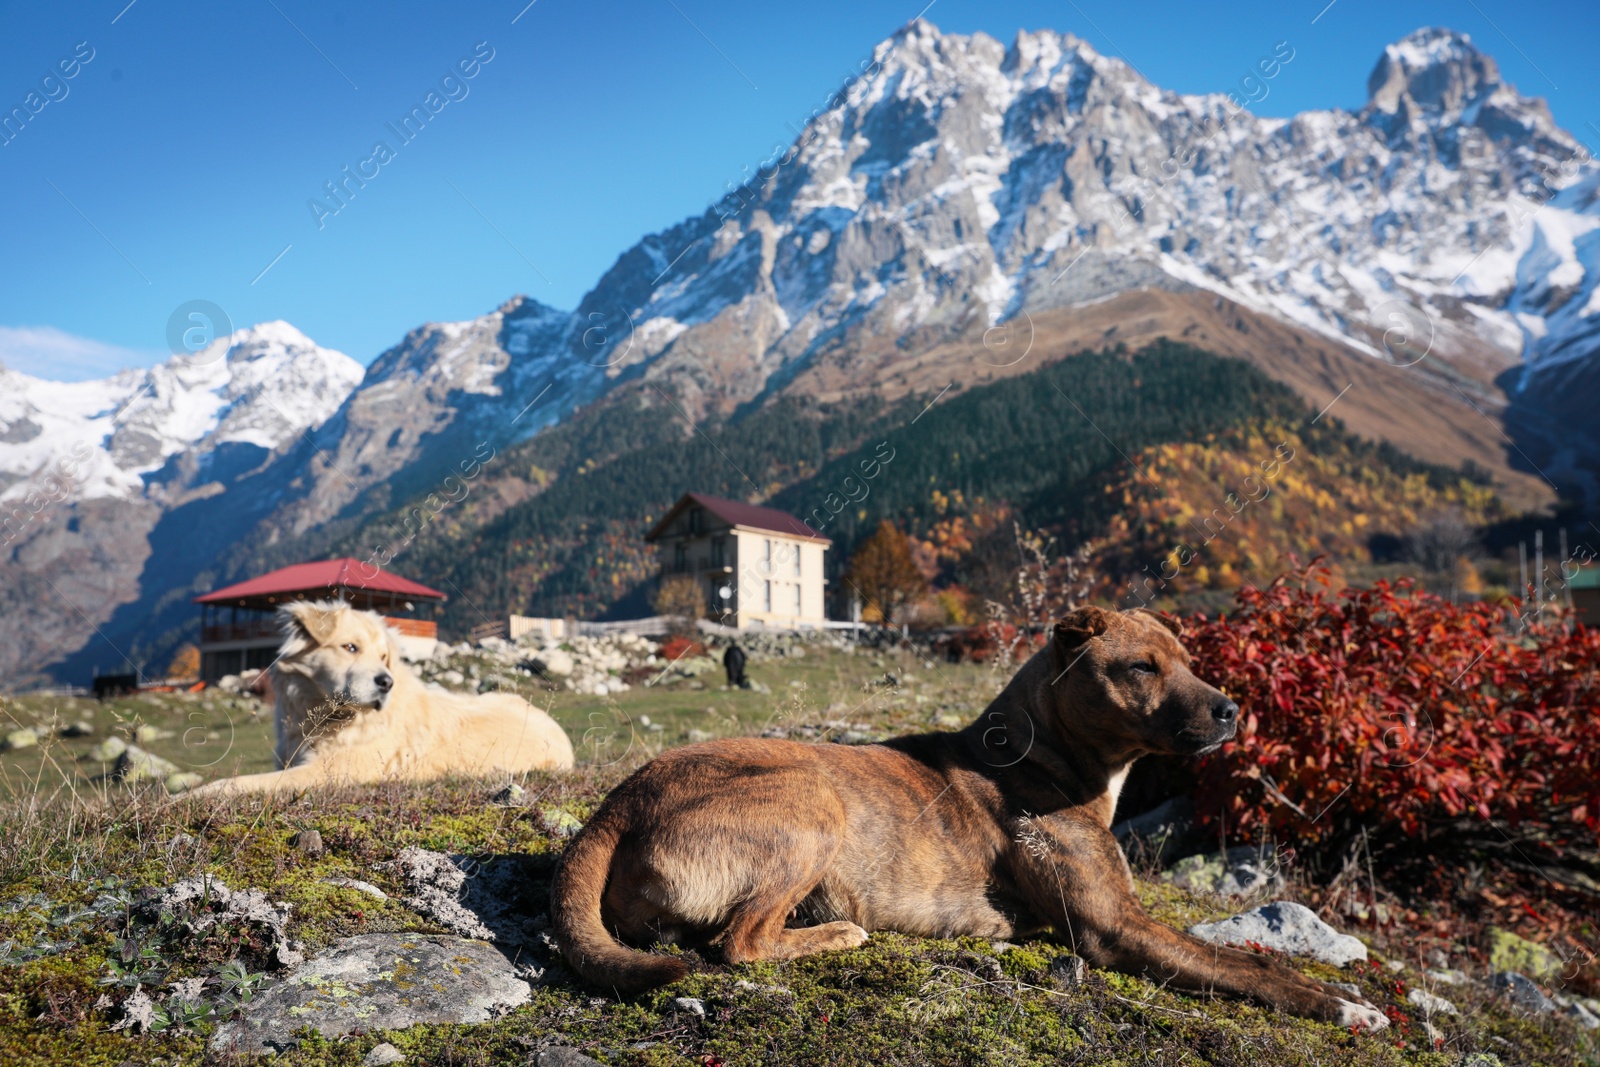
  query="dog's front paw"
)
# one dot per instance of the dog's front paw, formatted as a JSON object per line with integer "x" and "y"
{"x": 1362, "y": 1016}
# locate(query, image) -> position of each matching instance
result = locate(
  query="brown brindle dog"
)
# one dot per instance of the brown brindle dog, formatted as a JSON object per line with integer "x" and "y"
{"x": 1000, "y": 830}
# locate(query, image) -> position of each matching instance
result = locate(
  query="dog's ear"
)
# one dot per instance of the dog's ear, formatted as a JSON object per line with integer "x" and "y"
{"x": 1080, "y": 624}
{"x": 1169, "y": 621}
{"x": 307, "y": 624}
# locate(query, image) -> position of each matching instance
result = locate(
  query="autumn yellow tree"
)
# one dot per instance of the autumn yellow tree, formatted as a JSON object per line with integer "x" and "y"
{"x": 679, "y": 599}
{"x": 185, "y": 663}
{"x": 884, "y": 574}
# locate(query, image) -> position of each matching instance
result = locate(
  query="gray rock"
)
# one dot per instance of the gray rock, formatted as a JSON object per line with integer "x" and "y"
{"x": 1239, "y": 872}
{"x": 1582, "y": 1016}
{"x": 560, "y": 823}
{"x": 383, "y": 1055}
{"x": 1447, "y": 976}
{"x": 378, "y": 982}
{"x": 1431, "y": 1004}
{"x": 1286, "y": 927}
{"x": 1068, "y": 970}
{"x": 308, "y": 842}
{"x": 1520, "y": 990}
{"x": 183, "y": 781}
{"x": 77, "y": 729}
{"x": 692, "y": 1005}
{"x": 563, "y": 1057}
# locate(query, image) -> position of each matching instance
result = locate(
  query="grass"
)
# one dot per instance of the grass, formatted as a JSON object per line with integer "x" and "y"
{"x": 77, "y": 850}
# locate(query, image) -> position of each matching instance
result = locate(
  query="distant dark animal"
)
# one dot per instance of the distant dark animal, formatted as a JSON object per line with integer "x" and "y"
{"x": 733, "y": 661}
{"x": 107, "y": 686}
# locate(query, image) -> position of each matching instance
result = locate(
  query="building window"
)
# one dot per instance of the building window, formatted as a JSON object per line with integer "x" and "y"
{"x": 797, "y": 600}
{"x": 797, "y": 561}
{"x": 697, "y": 520}
{"x": 680, "y": 557}
{"x": 766, "y": 599}
{"x": 767, "y": 557}
{"x": 718, "y": 551}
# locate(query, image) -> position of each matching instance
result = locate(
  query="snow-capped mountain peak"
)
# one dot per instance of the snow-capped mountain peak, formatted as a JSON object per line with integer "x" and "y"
{"x": 260, "y": 387}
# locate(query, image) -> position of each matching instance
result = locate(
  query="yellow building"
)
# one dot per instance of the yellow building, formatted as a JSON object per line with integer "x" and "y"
{"x": 757, "y": 567}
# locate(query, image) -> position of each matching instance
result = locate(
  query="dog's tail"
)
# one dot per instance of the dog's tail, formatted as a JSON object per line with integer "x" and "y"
{"x": 583, "y": 937}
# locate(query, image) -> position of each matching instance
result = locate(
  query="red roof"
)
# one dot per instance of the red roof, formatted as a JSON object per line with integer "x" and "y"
{"x": 736, "y": 513}
{"x": 319, "y": 576}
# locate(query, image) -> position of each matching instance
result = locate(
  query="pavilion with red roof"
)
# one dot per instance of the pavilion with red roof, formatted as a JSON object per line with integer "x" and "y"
{"x": 239, "y": 629}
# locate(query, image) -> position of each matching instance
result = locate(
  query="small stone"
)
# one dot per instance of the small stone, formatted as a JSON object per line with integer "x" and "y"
{"x": 1447, "y": 976}
{"x": 308, "y": 841}
{"x": 513, "y": 795}
{"x": 1348, "y": 987}
{"x": 359, "y": 886}
{"x": 145, "y": 733}
{"x": 1287, "y": 927}
{"x": 77, "y": 729}
{"x": 137, "y": 765}
{"x": 372, "y": 982}
{"x": 23, "y": 738}
{"x": 1582, "y": 1016}
{"x": 1395, "y": 965}
{"x": 183, "y": 781}
{"x": 109, "y": 750}
{"x": 383, "y": 1055}
{"x": 1068, "y": 970}
{"x": 1430, "y": 1004}
{"x": 692, "y": 1005}
{"x": 559, "y": 822}
{"x": 697, "y": 735}
{"x": 1521, "y": 991}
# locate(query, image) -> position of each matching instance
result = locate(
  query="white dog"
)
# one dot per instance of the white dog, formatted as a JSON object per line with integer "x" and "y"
{"x": 349, "y": 710}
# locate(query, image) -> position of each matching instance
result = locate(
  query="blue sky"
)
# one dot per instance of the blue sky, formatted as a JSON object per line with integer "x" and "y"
{"x": 176, "y": 164}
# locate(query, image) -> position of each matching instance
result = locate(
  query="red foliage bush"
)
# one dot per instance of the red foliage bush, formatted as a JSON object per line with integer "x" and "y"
{"x": 677, "y": 647}
{"x": 1396, "y": 711}
{"x": 980, "y": 644}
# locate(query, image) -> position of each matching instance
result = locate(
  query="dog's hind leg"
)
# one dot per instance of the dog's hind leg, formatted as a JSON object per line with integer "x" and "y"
{"x": 756, "y": 930}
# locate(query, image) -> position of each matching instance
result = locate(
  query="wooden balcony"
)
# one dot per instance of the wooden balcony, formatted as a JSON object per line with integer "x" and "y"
{"x": 413, "y": 627}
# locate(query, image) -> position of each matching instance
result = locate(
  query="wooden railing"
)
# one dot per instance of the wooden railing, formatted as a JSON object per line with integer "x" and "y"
{"x": 413, "y": 627}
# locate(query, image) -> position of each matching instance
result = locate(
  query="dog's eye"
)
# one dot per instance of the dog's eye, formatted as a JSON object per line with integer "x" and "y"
{"x": 1144, "y": 666}
{"x": 352, "y": 649}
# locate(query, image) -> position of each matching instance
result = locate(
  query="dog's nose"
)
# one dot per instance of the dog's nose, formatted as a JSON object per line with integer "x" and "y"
{"x": 384, "y": 682}
{"x": 1225, "y": 710}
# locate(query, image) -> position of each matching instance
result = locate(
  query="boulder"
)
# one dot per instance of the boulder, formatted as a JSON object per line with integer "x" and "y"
{"x": 1286, "y": 927}
{"x": 109, "y": 750}
{"x": 378, "y": 982}
{"x": 183, "y": 781}
{"x": 555, "y": 662}
{"x": 563, "y": 1057}
{"x": 1238, "y": 872}
{"x": 1508, "y": 952}
{"x": 359, "y": 886}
